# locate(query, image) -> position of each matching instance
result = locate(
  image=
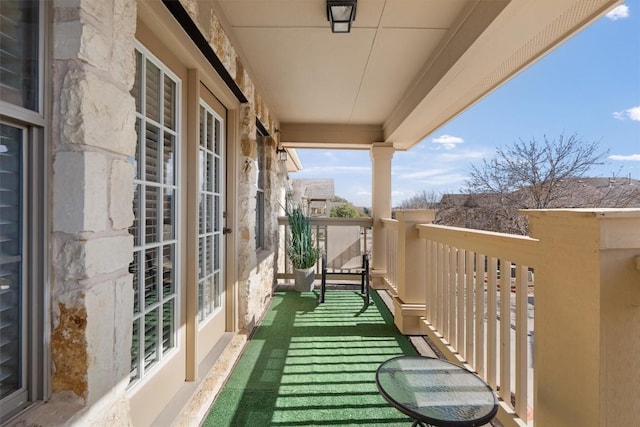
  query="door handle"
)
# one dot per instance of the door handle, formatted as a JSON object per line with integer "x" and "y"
{"x": 226, "y": 230}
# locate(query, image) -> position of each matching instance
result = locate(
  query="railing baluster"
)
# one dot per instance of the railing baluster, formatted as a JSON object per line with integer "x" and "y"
{"x": 480, "y": 310}
{"x": 522, "y": 330}
{"x": 441, "y": 287}
{"x": 492, "y": 327}
{"x": 469, "y": 335}
{"x": 451, "y": 294}
{"x": 433, "y": 275}
{"x": 460, "y": 303}
{"x": 505, "y": 331}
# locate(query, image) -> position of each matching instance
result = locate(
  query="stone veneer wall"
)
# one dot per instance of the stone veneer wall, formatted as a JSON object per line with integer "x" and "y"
{"x": 256, "y": 277}
{"x": 93, "y": 139}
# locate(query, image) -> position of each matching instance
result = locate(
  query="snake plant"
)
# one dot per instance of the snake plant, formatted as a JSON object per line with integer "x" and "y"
{"x": 301, "y": 250}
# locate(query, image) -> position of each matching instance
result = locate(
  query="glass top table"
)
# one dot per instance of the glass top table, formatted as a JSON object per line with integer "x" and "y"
{"x": 436, "y": 392}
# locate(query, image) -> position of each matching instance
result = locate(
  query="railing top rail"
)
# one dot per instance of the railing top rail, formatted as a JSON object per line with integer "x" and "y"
{"x": 388, "y": 221}
{"x": 362, "y": 222}
{"x": 515, "y": 248}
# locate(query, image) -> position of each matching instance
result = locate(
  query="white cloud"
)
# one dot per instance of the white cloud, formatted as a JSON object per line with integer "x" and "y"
{"x": 462, "y": 155}
{"x": 447, "y": 141}
{"x": 632, "y": 113}
{"x": 630, "y": 157}
{"x": 422, "y": 174}
{"x": 619, "y": 12}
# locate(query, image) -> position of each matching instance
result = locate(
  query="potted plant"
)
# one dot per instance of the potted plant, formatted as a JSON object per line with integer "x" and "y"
{"x": 302, "y": 253}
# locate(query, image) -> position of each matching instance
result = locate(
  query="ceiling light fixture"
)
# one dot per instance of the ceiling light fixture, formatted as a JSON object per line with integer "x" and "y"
{"x": 282, "y": 154}
{"x": 340, "y": 14}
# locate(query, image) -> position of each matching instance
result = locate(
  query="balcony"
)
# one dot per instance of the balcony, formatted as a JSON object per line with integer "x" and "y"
{"x": 473, "y": 294}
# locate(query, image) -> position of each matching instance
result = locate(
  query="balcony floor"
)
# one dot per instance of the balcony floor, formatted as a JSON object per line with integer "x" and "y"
{"x": 311, "y": 364}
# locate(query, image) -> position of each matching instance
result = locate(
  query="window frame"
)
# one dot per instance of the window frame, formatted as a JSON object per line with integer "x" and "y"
{"x": 217, "y": 297}
{"x": 146, "y": 373}
{"x": 35, "y": 230}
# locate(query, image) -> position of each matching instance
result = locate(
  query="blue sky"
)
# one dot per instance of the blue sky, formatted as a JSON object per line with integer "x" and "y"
{"x": 589, "y": 86}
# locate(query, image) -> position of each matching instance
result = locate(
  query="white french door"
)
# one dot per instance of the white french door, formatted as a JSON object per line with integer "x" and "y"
{"x": 211, "y": 222}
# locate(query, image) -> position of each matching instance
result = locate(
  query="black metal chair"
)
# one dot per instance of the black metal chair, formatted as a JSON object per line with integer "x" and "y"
{"x": 362, "y": 271}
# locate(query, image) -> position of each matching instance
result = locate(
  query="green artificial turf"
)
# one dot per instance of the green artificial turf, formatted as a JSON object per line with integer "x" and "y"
{"x": 311, "y": 364}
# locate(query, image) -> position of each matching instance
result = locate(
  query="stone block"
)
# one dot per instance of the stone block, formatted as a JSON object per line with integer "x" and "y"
{"x": 85, "y": 259}
{"x": 123, "y": 61}
{"x": 123, "y": 325}
{"x": 79, "y": 192}
{"x": 121, "y": 194}
{"x": 69, "y": 350}
{"x": 100, "y": 336}
{"x": 97, "y": 113}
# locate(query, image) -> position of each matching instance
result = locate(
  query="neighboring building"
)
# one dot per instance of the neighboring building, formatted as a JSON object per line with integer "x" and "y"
{"x": 498, "y": 212}
{"x": 313, "y": 194}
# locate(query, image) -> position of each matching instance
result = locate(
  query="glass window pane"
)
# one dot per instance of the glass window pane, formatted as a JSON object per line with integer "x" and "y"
{"x": 210, "y": 130}
{"x": 217, "y": 290}
{"x": 218, "y": 143}
{"x": 203, "y": 127}
{"x": 217, "y": 216}
{"x": 135, "y": 351}
{"x": 202, "y": 253}
{"x": 169, "y": 103}
{"x": 152, "y": 86}
{"x": 208, "y": 262}
{"x": 11, "y": 264}
{"x": 169, "y": 158}
{"x": 202, "y": 211}
{"x": 151, "y": 276}
{"x": 168, "y": 317}
{"x": 134, "y": 269}
{"x": 19, "y": 56}
{"x": 168, "y": 271}
{"x": 209, "y": 216}
{"x": 152, "y": 145}
{"x": 135, "y": 227}
{"x": 139, "y": 149}
{"x": 152, "y": 212}
{"x": 168, "y": 214}
{"x": 151, "y": 341}
{"x": 217, "y": 173}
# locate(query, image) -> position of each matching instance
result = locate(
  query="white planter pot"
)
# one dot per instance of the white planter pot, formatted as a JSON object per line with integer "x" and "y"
{"x": 304, "y": 279}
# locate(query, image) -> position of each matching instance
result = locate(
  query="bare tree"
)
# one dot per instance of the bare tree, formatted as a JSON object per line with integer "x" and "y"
{"x": 534, "y": 174}
{"x": 424, "y": 200}
{"x": 530, "y": 175}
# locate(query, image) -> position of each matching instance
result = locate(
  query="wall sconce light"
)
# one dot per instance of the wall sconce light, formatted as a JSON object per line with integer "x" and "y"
{"x": 282, "y": 154}
{"x": 340, "y": 14}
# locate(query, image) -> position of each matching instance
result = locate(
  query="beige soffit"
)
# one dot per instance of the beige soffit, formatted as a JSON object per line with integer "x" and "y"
{"x": 406, "y": 68}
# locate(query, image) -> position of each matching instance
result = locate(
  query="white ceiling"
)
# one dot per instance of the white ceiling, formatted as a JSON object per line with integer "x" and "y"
{"x": 407, "y": 66}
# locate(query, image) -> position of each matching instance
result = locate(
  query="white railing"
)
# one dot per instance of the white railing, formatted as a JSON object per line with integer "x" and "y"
{"x": 471, "y": 292}
{"x": 478, "y": 287}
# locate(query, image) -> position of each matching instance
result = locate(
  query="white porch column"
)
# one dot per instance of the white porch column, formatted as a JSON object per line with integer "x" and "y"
{"x": 587, "y": 317}
{"x": 381, "y": 155}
